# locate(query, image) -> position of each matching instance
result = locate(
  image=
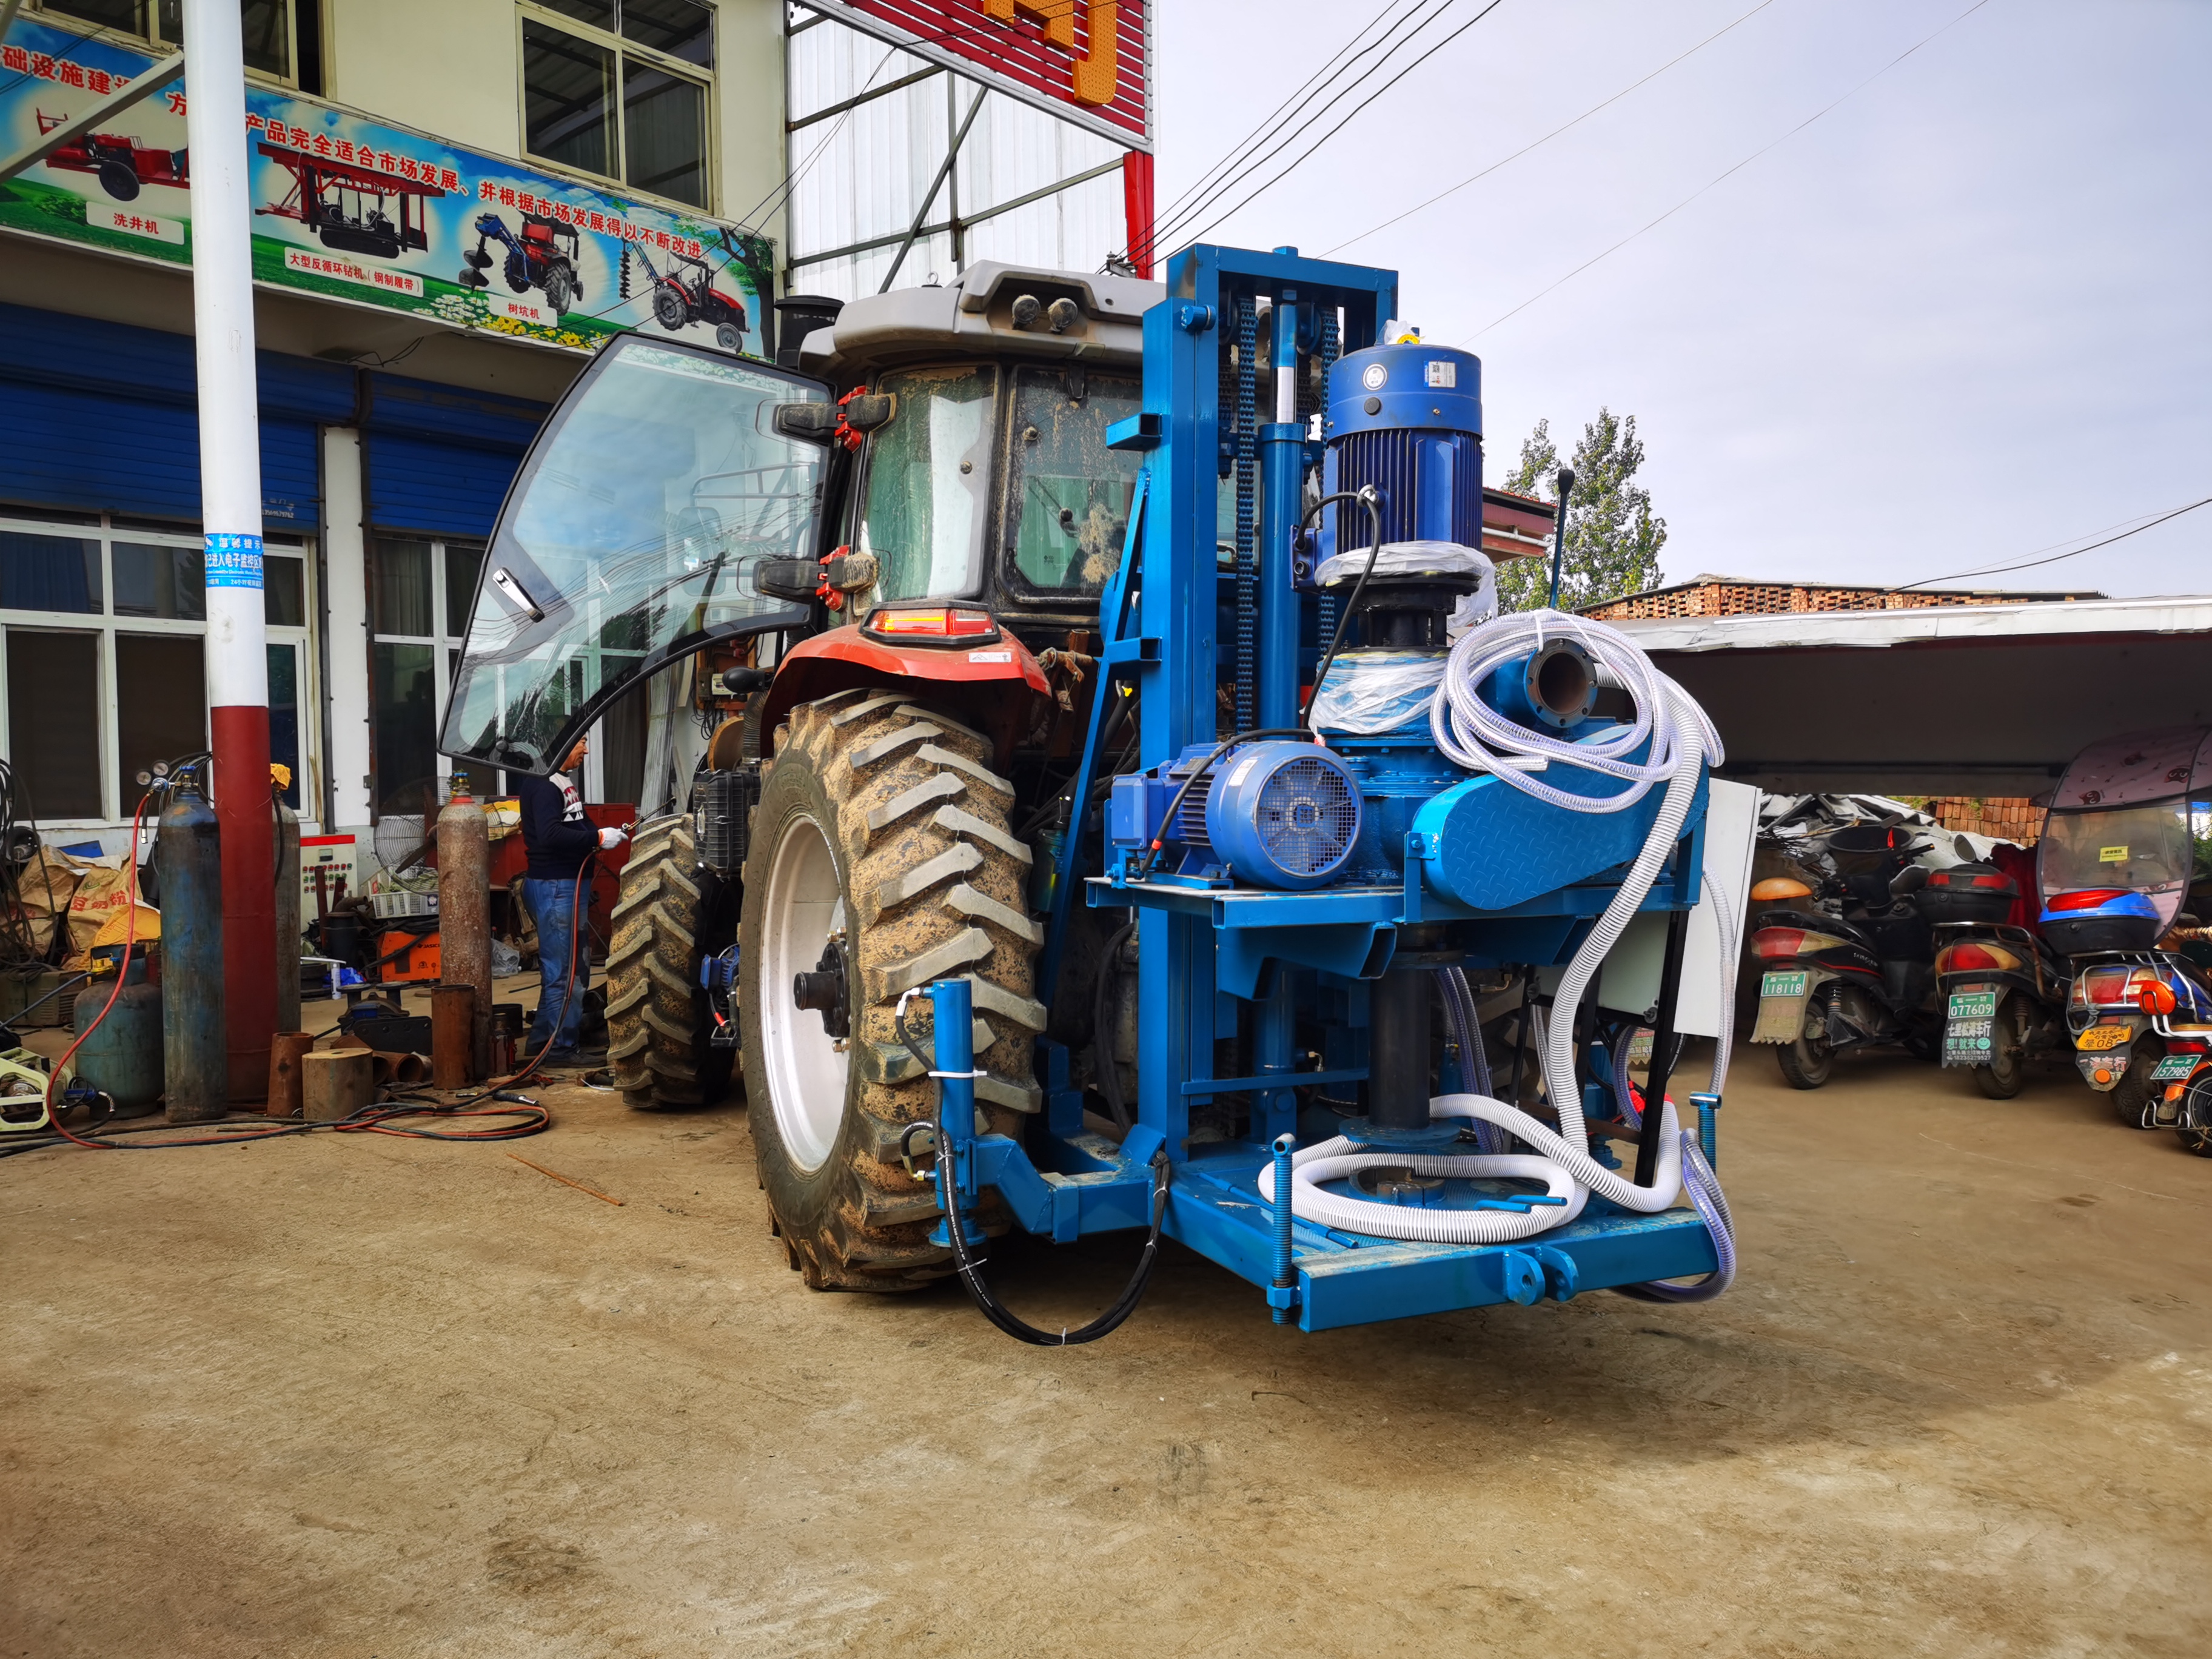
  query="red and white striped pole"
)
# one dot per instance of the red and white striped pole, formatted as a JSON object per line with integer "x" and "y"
{"x": 230, "y": 517}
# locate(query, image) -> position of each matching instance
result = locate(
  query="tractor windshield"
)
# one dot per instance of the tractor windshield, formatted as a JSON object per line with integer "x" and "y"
{"x": 629, "y": 540}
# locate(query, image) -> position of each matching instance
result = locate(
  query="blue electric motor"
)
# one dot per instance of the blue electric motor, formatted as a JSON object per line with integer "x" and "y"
{"x": 1407, "y": 419}
{"x": 1284, "y": 815}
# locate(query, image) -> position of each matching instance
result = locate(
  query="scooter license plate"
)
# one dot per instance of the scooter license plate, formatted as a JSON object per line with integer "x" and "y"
{"x": 2097, "y": 1038}
{"x": 1973, "y": 1005}
{"x": 1783, "y": 985}
{"x": 2175, "y": 1067}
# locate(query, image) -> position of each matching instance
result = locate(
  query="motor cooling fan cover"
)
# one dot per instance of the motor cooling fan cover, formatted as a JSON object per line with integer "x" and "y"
{"x": 1284, "y": 815}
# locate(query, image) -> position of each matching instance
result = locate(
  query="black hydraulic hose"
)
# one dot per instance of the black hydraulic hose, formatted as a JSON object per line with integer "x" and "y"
{"x": 971, "y": 1270}
{"x": 1367, "y": 496}
{"x": 1110, "y": 1070}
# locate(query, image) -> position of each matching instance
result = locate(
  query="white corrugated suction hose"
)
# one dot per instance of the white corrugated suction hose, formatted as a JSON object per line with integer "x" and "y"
{"x": 1681, "y": 740}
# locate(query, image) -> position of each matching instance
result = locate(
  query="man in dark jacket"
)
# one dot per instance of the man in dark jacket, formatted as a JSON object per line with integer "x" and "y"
{"x": 562, "y": 844}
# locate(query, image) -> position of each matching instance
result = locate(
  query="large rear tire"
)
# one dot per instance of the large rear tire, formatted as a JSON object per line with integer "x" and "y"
{"x": 670, "y": 915}
{"x": 880, "y": 861}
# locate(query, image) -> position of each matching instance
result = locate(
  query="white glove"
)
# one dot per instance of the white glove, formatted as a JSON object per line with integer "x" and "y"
{"x": 611, "y": 839}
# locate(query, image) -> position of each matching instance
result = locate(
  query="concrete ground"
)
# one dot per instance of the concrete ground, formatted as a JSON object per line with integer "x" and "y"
{"x": 364, "y": 1396}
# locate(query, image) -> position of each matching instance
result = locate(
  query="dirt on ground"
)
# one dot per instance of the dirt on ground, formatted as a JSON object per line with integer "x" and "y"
{"x": 364, "y": 1396}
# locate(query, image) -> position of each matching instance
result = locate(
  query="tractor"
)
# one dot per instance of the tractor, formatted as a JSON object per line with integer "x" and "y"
{"x": 685, "y": 294}
{"x": 1027, "y": 839}
{"x": 121, "y": 164}
{"x": 542, "y": 257}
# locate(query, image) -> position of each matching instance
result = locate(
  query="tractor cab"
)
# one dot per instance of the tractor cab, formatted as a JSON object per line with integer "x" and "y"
{"x": 681, "y": 502}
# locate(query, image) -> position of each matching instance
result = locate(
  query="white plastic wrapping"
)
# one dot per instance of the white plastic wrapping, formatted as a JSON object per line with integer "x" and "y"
{"x": 1372, "y": 691}
{"x": 1413, "y": 559}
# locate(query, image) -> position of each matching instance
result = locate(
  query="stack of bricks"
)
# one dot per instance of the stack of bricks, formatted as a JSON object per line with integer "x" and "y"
{"x": 2007, "y": 817}
{"x": 1721, "y": 596}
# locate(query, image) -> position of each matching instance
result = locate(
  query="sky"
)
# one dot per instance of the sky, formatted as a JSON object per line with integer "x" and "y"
{"x": 1962, "y": 319}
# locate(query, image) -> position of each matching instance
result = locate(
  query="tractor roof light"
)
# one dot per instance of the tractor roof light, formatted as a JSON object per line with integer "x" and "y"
{"x": 930, "y": 624}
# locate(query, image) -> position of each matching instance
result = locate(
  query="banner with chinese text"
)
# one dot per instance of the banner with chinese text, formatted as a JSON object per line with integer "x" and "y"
{"x": 356, "y": 211}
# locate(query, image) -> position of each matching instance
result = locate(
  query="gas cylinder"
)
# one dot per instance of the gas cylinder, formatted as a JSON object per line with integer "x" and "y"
{"x": 287, "y": 916}
{"x": 122, "y": 1057}
{"x": 194, "y": 1041}
{"x": 464, "y": 910}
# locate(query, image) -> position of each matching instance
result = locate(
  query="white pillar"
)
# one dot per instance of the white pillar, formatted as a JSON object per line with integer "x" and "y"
{"x": 345, "y": 598}
{"x": 230, "y": 516}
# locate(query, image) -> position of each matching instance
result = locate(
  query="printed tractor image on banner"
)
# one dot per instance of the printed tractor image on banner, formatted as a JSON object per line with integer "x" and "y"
{"x": 359, "y": 211}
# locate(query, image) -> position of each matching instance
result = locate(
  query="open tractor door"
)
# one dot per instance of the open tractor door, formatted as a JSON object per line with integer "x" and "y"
{"x": 861, "y": 596}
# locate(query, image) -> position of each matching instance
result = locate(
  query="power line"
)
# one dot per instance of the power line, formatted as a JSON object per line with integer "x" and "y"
{"x": 2030, "y": 564}
{"x": 1271, "y": 123}
{"x": 1307, "y": 154}
{"x": 1592, "y": 110}
{"x": 1170, "y": 224}
{"x": 1731, "y": 171}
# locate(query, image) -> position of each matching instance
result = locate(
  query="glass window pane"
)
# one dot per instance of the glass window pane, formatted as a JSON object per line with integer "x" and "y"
{"x": 928, "y": 472}
{"x": 128, "y": 15}
{"x": 463, "y": 566}
{"x": 405, "y": 712}
{"x": 568, "y": 99}
{"x": 600, "y": 13}
{"x": 1070, "y": 505}
{"x": 403, "y": 587}
{"x": 49, "y": 573}
{"x": 53, "y": 723}
{"x": 268, "y": 30}
{"x": 284, "y": 715}
{"x": 621, "y": 746}
{"x": 644, "y": 508}
{"x": 161, "y": 704}
{"x": 665, "y": 120}
{"x": 682, "y": 28}
{"x": 283, "y": 591}
{"x": 152, "y": 581}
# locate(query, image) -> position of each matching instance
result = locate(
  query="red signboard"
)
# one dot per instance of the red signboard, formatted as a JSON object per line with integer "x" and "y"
{"x": 1086, "y": 61}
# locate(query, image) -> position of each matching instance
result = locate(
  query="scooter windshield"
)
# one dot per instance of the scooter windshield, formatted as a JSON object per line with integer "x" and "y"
{"x": 2144, "y": 849}
{"x": 630, "y": 540}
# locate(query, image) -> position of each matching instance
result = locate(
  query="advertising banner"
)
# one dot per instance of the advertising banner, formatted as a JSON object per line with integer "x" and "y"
{"x": 355, "y": 211}
{"x": 1086, "y": 61}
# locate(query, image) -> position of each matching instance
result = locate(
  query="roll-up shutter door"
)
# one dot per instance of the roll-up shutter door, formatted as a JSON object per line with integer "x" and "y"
{"x": 101, "y": 416}
{"x": 440, "y": 460}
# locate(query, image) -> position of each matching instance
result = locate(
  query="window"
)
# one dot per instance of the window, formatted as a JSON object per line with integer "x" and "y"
{"x": 928, "y": 470}
{"x": 419, "y": 593}
{"x": 1068, "y": 513}
{"x": 102, "y": 627}
{"x": 619, "y": 88}
{"x": 280, "y": 36}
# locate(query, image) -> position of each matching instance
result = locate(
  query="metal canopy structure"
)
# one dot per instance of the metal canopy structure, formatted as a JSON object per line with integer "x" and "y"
{"x": 1984, "y": 699}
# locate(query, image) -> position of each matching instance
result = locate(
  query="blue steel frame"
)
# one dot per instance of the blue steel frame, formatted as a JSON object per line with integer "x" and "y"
{"x": 1198, "y": 939}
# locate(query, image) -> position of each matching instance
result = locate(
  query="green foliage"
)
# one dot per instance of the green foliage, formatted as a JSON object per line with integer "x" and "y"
{"x": 1613, "y": 537}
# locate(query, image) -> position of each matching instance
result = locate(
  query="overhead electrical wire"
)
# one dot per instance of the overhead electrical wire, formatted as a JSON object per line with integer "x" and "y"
{"x": 1224, "y": 173}
{"x": 2030, "y": 564}
{"x": 1423, "y": 56}
{"x": 1722, "y": 178}
{"x": 1539, "y": 144}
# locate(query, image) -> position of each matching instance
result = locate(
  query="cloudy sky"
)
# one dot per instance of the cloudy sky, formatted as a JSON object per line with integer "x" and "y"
{"x": 1962, "y": 319}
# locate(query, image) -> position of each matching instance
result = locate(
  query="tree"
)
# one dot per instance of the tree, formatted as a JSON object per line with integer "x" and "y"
{"x": 1613, "y": 537}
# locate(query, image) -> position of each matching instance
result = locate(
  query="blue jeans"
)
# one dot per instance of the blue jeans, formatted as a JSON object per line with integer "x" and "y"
{"x": 553, "y": 907}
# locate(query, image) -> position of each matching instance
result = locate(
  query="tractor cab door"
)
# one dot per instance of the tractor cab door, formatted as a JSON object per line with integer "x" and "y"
{"x": 628, "y": 541}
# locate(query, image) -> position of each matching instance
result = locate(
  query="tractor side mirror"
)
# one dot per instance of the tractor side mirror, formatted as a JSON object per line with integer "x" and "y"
{"x": 868, "y": 413}
{"x": 795, "y": 580}
{"x": 812, "y": 422}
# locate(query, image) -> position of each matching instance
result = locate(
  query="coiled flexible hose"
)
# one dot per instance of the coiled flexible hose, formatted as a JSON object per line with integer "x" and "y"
{"x": 1682, "y": 740}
